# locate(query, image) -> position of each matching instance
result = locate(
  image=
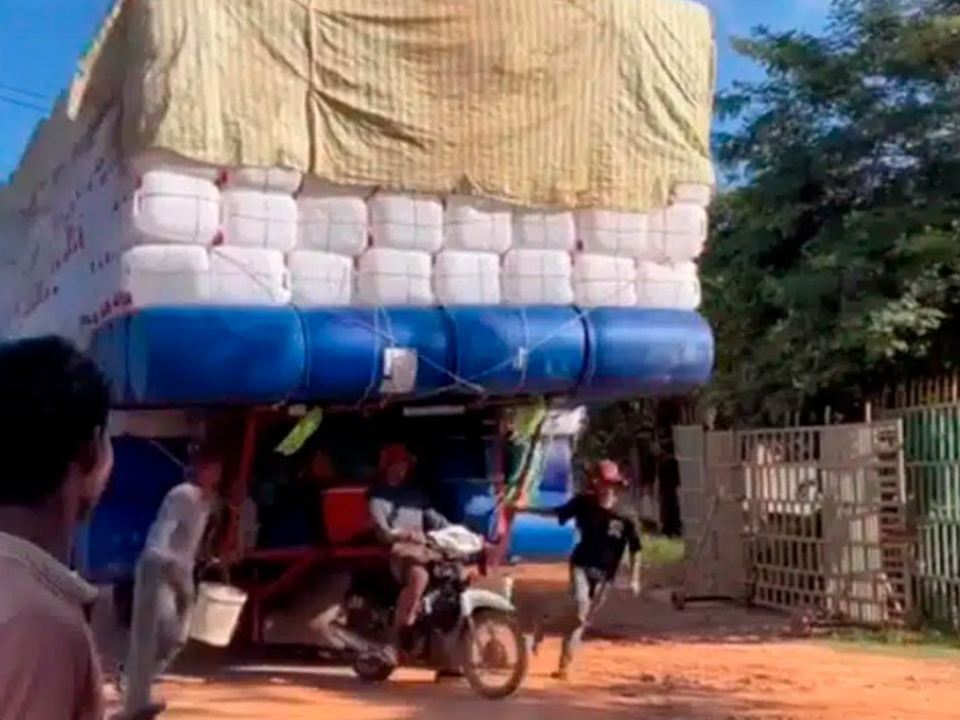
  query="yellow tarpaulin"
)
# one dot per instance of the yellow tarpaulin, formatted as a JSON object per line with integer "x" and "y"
{"x": 602, "y": 103}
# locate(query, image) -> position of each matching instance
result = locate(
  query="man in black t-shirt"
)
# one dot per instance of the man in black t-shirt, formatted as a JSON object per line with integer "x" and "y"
{"x": 605, "y": 535}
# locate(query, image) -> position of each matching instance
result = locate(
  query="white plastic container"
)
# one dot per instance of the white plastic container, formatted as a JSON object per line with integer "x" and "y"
{"x": 466, "y": 278}
{"x": 406, "y": 221}
{"x": 544, "y": 230}
{"x": 477, "y": 225}
{"x": 394, "y": 277}
{"x": 667, "y": 285}
{"x": 333, "y": 219}
{"x": 604, "y": 281}
{"x": 263, "y": 179}
{"x": 247, "y": 276}
{"x": 614, "y": 233}
{"x": 679, "y": 232}
{"x": 174, "y": 208}
{"x": 319, "y": 279}
{"x": 254, "y": 219}
{"x": 537, "y": 277}
{"x": 216, "y": 613}
{"x": 153, "y": 275}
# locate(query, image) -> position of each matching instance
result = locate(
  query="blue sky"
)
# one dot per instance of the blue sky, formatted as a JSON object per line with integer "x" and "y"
{"x": 40, "y": 41}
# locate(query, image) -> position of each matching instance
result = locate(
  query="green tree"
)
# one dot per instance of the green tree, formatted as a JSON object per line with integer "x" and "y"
{"x": 834, "y": 263}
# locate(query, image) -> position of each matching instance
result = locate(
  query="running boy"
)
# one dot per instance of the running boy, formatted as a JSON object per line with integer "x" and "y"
{"x": 605, "y": 535}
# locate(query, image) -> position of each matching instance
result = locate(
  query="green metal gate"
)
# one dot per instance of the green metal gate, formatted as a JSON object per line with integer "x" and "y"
{"x": 932, "y": 457}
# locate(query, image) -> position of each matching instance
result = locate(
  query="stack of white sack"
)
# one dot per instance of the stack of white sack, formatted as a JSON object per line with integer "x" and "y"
{"x": 537, "y": 277}
{"x": 663, "y": 245}
{"x": 477, "y": 232}
{"x": 161, "y": 230}
{"x": 334, "y": 230}
{"x": 406, "y": 230}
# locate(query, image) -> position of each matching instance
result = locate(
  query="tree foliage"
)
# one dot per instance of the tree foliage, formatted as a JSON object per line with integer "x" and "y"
{"x": 834, "y": 263}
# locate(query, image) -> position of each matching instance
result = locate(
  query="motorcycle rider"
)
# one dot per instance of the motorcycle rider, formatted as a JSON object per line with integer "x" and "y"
{"x": 605, "y": 535}
{"x": 402, "y": 516}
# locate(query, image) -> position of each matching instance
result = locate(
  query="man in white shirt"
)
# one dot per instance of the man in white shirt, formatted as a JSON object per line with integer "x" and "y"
{"x": 165, "y": 572}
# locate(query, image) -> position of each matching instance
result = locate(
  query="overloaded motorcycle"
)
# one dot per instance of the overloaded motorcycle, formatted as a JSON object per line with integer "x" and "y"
{"x": 459, "y": 628}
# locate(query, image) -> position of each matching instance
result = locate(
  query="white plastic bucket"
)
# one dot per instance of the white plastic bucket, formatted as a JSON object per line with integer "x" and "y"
{"x": 216, "y": 613}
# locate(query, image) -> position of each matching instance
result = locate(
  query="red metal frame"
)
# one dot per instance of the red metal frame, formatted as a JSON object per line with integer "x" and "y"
{"x": 240, "y": 488}
{"x": 300, "y": 562}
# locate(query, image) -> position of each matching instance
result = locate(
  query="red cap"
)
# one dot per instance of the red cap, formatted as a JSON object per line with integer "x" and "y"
{"x": 394, "y": 454}
{"x": 607, "y": 472}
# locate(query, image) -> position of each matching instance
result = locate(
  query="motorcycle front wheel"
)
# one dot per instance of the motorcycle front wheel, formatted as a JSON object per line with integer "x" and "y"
{"x": 494, "y": 654}
{"x": 372, "y": 669}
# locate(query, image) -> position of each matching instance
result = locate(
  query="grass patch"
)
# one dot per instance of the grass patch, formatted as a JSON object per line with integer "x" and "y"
{"x": 662, "y": 551}
{"x": 903, "y": 643}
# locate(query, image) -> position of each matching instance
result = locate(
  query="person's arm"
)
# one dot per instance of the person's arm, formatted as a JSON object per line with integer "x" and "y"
{"x": 46, "y": 670}
{"x": 434, "y": 520}
{"x": 563, "y": 513}
{"x": 636, "y": 558}
{"x": 380, "y": 510}
{"x": 182, "y": 508}
{"x": 566, "y": 512}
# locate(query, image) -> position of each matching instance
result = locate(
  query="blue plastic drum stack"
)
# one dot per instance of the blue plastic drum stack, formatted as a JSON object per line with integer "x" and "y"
{"x": 215, "y": 355}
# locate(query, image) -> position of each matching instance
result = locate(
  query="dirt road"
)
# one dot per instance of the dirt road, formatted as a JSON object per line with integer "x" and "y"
{"x": 650, "y": 662}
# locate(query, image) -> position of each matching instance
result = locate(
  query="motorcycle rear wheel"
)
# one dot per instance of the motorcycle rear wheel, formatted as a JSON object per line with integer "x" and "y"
{"x": 477, "y": 655}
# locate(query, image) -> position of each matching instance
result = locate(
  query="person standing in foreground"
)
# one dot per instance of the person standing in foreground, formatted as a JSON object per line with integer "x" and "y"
{"x": 54, "y": 404}
{"x": 605, "y": 535}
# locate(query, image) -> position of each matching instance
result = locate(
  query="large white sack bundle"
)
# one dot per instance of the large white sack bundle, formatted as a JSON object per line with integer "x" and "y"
{"x": 678, "y": 232}
{"x": 406, "y": 221}
{"x": 144, "y": 276}
{"x": 157, "y": 275}
{"x": 604, "y": 281}
{"x": 394, "y": 277}
{"x": 614, "y": 233}
{"x": 544, "y": 229}
{"x": 263, "y": 179}
{"x": 694, "y": 193}
{"x": 668, "y": 285}
{"x": 319, "y": 279}
{"x": 105, "y": 215}
{"x": 466, "y": 278}
{"x": 537, "y": 277}
{"x": 248, "y": 276}
{"x": 255, "y": 219}
{"x": 333, "y": 218}
{"x": 477, "y": 225}
{"x": 169, "y": 207}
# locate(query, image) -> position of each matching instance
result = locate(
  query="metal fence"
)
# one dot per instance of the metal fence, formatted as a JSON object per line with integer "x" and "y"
{"x": 810, "y": 519}
{"x": 930, "y": 413}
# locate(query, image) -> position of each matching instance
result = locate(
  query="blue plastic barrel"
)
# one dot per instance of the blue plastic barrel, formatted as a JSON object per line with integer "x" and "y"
{"x": 646, "y": 352}
{"x": 108, "y": 547}
{"x": 558, "y": 467}
{"x": 214, "y": 355}
{"x": 109, "y": 349}
{"x": 345, "y": 350}
{"x": 254, "y": 355}
{"x": 540, "y": 539}
{"x": 510, "y": 351}
{"x": 544, "y": 539}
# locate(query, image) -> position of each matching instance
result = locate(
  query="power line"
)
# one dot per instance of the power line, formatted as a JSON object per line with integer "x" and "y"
{"x": 24, "y": 104}
{"x": 20, "y": 91}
